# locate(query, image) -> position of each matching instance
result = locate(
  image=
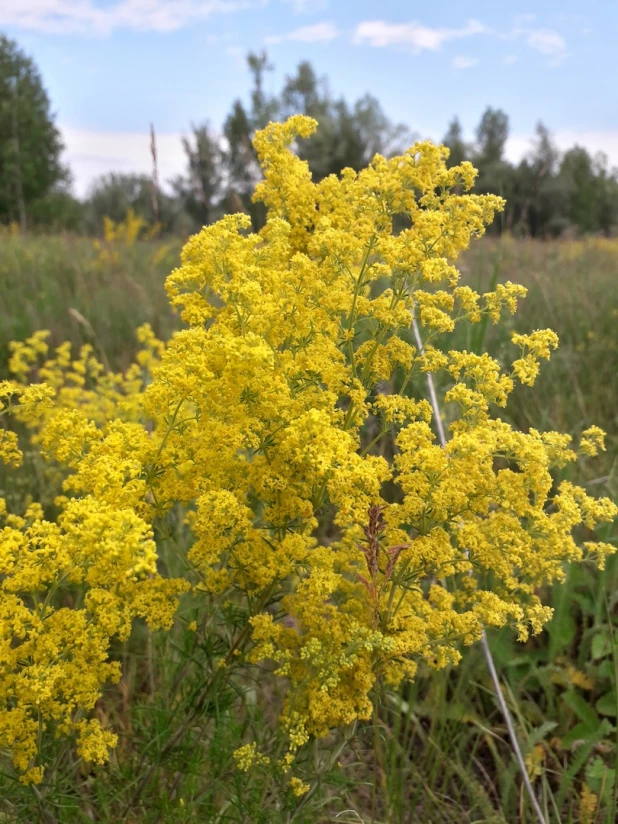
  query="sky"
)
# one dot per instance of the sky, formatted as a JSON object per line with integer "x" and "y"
{"x": 111, "y": 67}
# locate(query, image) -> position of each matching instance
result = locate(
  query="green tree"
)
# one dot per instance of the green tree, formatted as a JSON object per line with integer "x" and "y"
{"x": 540, "y": 192}
{"x": 30, "y": 144}
{"x": 607, "y": 193}
{"x": 242, "y": 168}
{"x": 453, "y": 138}
{"x": 591, "y": 191}
{"x": 264, "y": 108}
{"x": 348, "y": 136}
{"x": 491, "y": 135}
{"x": 201, "y": 190}
{"x": 112, "y": 195}
{"x": 240, "y": 161}
{"x": 496, "y": 174}
{"x": 58, "y": 211}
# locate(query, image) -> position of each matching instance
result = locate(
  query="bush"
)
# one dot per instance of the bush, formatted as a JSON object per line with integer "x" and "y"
{"x": 270, "y": 476}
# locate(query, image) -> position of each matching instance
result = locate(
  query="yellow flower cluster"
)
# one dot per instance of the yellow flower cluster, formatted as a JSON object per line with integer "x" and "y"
{"x": 67, "y": 589}
{"x": 255, "y": 418}
{"x": 247, "y": 757}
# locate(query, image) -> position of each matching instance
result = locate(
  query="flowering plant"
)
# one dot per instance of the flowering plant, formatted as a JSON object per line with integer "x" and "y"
{"x": 286, "y": 427}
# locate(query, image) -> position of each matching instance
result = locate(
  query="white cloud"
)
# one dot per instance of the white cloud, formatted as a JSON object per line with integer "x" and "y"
{"x": 378, "y": 33}
{"x": 547, "y": 42}
{"x": 306, "y": 6}
{"x": 517, "y": 147}
{"x": 509, "y": 59}
{"x": 89, "y": 17}
{"x": 464, "y": 62}
{"x": 90, "y": 154}
{"x": 594, "y": 141}
{"x": 524, "y": 19}
{"x": 418, "y": 37}
{"x": 320, "y": 33}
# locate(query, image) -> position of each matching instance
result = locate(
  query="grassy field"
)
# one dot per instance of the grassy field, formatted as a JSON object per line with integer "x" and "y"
{"x": 438, "y": 750}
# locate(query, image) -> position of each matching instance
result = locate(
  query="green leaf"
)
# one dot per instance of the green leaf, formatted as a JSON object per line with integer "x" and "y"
{"x": 562, "y": 627}
{"x": 600, "y": 777}
{"x": 580, "y": 732}
{"x": 601, "y": 644}
{"x": 581, "y": 708}
{"x": 605, "y": 669}
{"x": 586, "y": 602}
{"x": 606, "y": 705}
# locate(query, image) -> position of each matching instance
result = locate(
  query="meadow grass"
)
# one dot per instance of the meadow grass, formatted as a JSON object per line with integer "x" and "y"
{"x": 84, "y": 292}
{"x": 437, "y": 749}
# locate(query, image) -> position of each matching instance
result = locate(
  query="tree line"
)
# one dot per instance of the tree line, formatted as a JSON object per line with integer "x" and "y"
{"x": 547, "y": 192}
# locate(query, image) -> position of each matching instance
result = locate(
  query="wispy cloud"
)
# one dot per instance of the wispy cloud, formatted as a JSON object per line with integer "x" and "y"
{"x": 320, "y": 33}
{"x": 414, "y": 35}
{"x": 549, "y": 43}
{"x": 90, "y": 17}
{"x": 461, "y": 62}
{"x": 510, "y": 59}
{"x": 418, "y": 38}
{"x": 306, "y": 6}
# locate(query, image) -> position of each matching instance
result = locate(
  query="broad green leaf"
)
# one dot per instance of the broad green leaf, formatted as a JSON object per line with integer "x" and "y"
{"x": 601, "y": 644}
{"x": 606, "y": 705}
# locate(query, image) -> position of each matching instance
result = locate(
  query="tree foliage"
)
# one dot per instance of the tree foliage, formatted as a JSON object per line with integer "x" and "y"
{"x": 114, "y": 194}
{"x": 547, "y": 193}
{"x": 30, "y": 144}
{"x": 200, "y": 190}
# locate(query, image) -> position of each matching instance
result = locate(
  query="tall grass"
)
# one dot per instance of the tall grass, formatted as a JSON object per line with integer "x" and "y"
{"x": 572, "y": 289}
{"x": 84, "y": 292}
{"x": 437, "y": 750}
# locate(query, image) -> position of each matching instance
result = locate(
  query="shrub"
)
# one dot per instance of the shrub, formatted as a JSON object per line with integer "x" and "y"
{"x": 332, "y": 538}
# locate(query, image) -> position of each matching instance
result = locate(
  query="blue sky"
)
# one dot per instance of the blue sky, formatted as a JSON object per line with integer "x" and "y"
{"x": 113, "y": 66}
